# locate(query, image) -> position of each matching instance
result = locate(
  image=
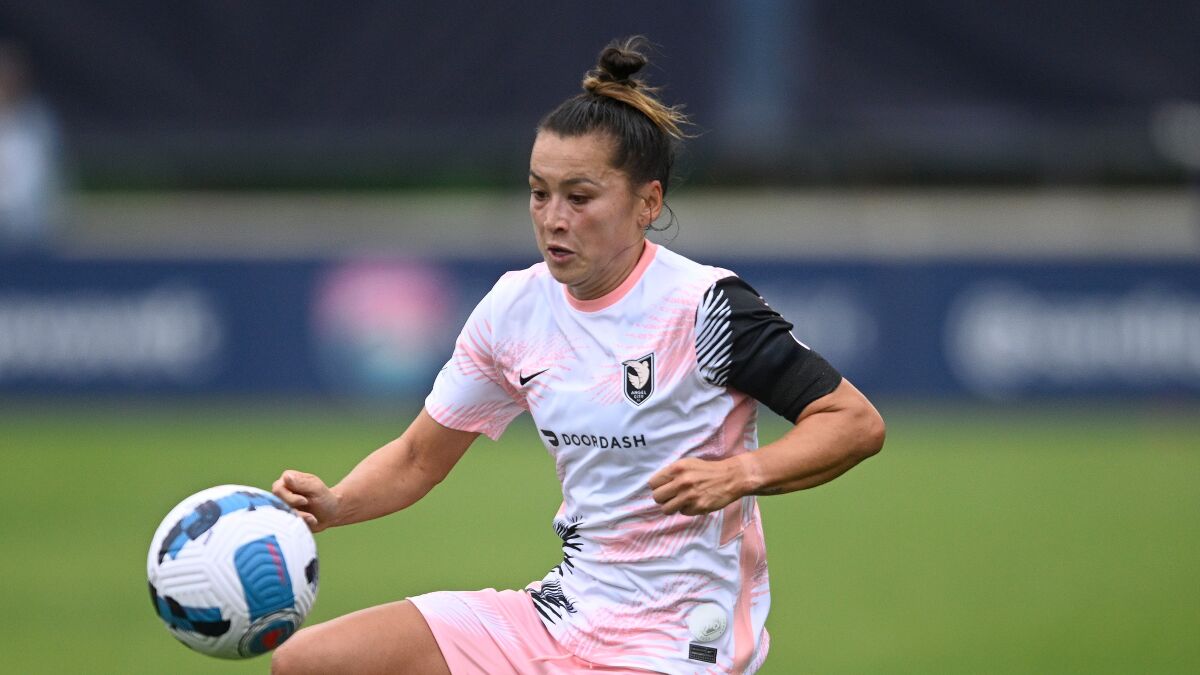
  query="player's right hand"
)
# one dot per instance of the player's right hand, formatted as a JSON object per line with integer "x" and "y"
{"x": 309, "y": 496}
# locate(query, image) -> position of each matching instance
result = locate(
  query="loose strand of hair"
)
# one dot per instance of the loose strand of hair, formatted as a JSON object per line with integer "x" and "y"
{"x": 670, "y": 119}
{"x": 671, "y": 220}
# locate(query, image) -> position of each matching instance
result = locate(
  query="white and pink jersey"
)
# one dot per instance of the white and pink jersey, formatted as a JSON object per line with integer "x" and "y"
{"x": 620, "y": 387}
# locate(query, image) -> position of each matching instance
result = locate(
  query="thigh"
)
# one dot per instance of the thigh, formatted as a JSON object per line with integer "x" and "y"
{"x": 500, "y": 633}
{"x": 391, "y": 638}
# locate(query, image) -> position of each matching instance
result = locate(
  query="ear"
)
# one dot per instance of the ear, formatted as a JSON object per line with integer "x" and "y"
{"x": 651, "y": 196}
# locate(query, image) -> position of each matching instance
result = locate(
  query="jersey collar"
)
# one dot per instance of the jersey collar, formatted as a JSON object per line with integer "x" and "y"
{"x": 612, "y": 297}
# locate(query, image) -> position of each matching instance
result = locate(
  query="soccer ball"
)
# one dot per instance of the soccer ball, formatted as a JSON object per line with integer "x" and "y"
{"x": 233, "y": 571}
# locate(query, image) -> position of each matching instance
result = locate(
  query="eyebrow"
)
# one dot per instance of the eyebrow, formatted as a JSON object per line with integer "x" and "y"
{"x": 568, "y": 182}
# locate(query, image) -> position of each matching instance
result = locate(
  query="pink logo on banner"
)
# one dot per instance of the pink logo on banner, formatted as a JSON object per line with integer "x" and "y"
{"x": 383, "y": 327}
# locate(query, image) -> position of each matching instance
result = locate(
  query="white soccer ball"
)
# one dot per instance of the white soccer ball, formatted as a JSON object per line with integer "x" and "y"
{"x": 233, "y": 571}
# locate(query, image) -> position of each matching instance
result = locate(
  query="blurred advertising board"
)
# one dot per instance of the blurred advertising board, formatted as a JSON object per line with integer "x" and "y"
{"x": 384, "y": 326}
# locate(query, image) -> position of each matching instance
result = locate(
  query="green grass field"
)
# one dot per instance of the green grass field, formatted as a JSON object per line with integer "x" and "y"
{"x": 1038, "y": 540}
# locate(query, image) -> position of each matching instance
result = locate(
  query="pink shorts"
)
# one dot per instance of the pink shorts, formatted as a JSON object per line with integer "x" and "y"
{"x": 492, "y": 632}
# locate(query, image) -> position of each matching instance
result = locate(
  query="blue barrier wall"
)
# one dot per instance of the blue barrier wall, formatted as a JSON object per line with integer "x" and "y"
{"x": 385, "y": 326}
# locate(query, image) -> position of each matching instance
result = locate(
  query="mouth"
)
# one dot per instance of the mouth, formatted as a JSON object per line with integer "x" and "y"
{"x": 558, "y": 253}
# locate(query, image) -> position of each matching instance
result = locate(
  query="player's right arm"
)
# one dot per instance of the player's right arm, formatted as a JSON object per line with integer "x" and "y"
{"x": 469, "y": 393}
{"x": 389, "y": 479}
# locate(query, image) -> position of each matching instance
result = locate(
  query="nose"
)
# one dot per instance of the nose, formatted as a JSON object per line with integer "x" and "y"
{"x": 555, "y": 217}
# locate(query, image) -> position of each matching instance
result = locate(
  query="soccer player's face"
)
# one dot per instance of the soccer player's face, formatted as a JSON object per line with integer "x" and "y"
{"x": 588, "y": 219}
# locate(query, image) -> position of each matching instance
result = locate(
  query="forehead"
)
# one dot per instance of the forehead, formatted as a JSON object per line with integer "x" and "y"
{"x": 556, "y": 157}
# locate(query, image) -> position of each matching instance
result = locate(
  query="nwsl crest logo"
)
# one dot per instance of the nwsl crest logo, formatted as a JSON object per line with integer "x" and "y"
{"x": 639, "y": 378}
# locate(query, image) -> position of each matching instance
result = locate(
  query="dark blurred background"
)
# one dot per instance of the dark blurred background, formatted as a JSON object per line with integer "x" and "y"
{"x": 951, "y": 199}
{"x": 383, "y": 94}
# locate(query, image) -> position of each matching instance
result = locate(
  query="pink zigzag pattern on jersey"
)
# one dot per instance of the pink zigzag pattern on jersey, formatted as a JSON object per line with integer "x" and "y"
{"x": 734, "y": 436}
{"x": 738, "y": 429}
{"x": 488, "y": 418}
{"x": 606, "y": 387}
{"x": 725, "y": 663}
{"x": 761, "y": 656}
{"x": 643, "y": 532}
{"x": 473, "y": 354}
{"x": 479, "y": 355}
{"x": 671, "y": 330}
{"x": 761, "y": 588}
{"x": 760, "y": 578}
{"x": 668, "y": 330}
{"x": 551, "y": 352}
{"x": 611, "y": 632}
{"x": 753, "y": 568}
{"x": 649, "y": 534}
{"x": 709, "y": 444}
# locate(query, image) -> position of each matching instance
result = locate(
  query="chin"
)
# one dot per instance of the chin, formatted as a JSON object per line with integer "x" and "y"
{"x": 563, "y": 274}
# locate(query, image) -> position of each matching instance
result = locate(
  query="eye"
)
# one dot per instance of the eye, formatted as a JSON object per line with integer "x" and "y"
{"x": 538, "y": 194}
{"x": 578, "y": 199}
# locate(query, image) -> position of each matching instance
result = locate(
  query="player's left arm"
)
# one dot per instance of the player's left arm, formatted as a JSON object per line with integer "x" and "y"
{"x": 831, "y": 435}
{"x": 836, "y": 427}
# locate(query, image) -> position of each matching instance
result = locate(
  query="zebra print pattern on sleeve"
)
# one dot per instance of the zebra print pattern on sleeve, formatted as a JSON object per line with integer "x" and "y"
{"x": 744, "y": 344}
{"x": 714, "y": 337}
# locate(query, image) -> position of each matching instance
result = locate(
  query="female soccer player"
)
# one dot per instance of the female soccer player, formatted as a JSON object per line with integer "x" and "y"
{"x": 642, "y": 371}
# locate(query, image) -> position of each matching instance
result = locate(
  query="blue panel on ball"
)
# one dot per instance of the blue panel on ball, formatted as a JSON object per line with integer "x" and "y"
{"x": 207, "y": 514}
{"x": 202, "y": 620}
{"x": 264, "y": 575}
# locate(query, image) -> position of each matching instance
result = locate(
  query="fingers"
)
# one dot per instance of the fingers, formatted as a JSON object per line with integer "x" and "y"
{"x": 666, "y": 491}
{"x": 671, "y": 479}
{"x": 302, "y": 483}
{"x": 691, "y": 486}
{"x": 302, "y": 491}
{"x": 281, "y": 490}
{"x": 688, "y": 505}
{"x": 295, "y": 487}
{"x": 666, "y": 488}
{"x": 663, "y": 476}
{"x": 671, "y": 507}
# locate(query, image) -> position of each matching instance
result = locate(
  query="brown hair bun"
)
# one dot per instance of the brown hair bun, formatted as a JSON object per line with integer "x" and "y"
{"x": 620, "y": 61}
{"x": 646, "y": 132}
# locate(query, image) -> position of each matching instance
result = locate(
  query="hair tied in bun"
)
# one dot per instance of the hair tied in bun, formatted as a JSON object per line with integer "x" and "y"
{"x": 621, "y": 60}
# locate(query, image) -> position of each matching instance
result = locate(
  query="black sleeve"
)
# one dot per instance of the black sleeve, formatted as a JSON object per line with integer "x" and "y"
{"x": 744, "y": 344}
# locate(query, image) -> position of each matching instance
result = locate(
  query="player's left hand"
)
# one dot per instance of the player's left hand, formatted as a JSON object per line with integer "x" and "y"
{"x": 693, "y": 486}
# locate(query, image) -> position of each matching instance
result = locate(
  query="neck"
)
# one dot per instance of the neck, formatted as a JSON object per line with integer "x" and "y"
{"x": 613, "y": 275}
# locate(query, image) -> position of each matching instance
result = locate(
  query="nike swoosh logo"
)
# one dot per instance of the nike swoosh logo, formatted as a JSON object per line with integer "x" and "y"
{"x": 525, "y": 380}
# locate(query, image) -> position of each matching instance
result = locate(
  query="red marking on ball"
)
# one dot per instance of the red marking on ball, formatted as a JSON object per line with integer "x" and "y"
{"x": 271, "y": 640}
{"x": 278, "y": 562}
